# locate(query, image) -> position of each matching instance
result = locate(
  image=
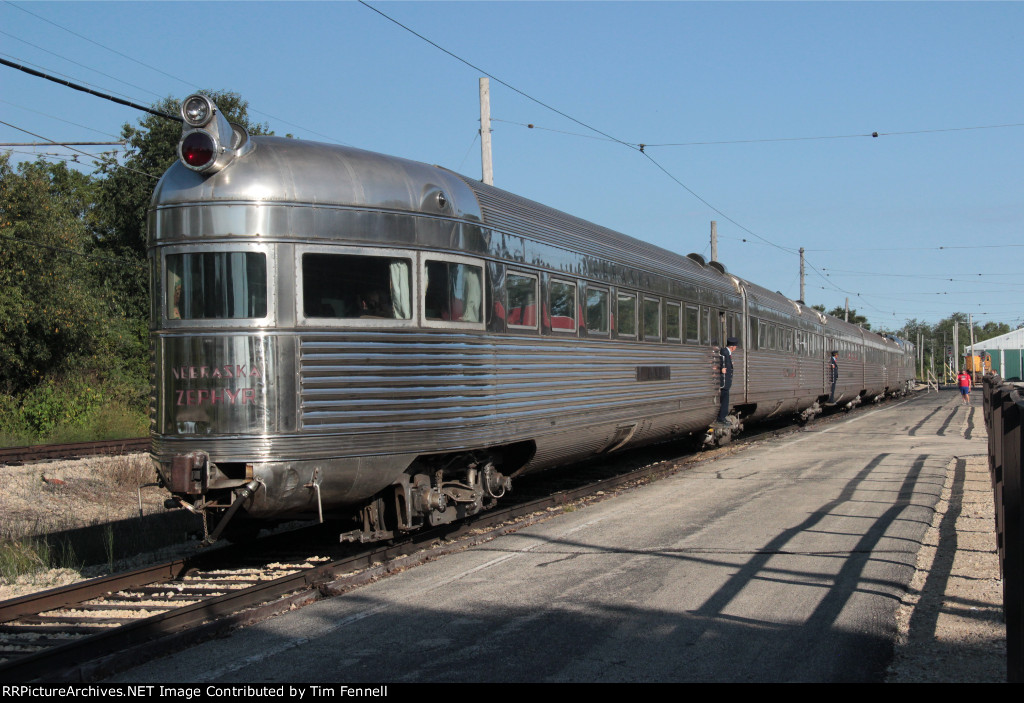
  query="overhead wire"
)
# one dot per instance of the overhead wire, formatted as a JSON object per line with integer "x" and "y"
{"x": 872, "y": 135}
{"x": 470, "y": 149}
{"x": 495, "y": 78}
{"x": 557, "y": 131}
{"x": 630, "y": 145}
{"x": 78, "y": 63}
{"x": 932, "y": 248}
{"x": 60, "y": 119}
{"x": 92, "y": 156}
{"x": 164, "y": 73}
{"x": 92, "y": 41}
{"x": 45, "y": 155}
{"x": 90, "y": 91}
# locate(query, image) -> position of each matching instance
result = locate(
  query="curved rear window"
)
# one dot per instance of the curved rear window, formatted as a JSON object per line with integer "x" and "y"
{"x": 216, "y": 285}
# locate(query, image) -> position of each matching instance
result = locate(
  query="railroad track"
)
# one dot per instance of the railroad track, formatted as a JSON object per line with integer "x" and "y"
{"x": 75, "y": 450}
{"x": 94, "y": 628}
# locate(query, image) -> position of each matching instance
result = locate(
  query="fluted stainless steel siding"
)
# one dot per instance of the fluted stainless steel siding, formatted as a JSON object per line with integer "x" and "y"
{"x": 431, "y": 392}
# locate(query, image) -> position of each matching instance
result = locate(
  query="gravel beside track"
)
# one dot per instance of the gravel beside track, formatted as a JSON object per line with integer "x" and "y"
{"x": 951, "y": 621}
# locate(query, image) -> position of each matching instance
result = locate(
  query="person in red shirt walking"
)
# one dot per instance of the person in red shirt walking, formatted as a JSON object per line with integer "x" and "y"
{"x": 963, "y": 380}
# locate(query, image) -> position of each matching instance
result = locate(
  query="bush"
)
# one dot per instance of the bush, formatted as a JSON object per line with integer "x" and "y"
{"x": 75, "y": 409}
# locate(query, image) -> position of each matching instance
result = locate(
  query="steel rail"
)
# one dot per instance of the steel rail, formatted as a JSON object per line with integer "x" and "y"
{"x": 73, "y": 450}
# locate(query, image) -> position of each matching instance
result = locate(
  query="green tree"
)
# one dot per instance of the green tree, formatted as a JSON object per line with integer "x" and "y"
{"x": 994, "y": 329}
{"x": 49, "y": 315}
{"x": 840, "y": 312}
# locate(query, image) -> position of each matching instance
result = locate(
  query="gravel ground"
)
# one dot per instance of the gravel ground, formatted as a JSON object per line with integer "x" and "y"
{"x": 951, "y": 621}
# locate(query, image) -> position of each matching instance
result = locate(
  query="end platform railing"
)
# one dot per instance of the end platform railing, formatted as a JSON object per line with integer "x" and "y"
{"x": 1004, "y": 410}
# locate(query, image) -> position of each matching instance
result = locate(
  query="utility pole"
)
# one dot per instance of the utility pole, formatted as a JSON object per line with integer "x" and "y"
{"x": 923, "y": 374}
{"x": 945, "y": 358}
{"x": 956, "y": 345}
{"x": 846, "y": 315}
{"x": 933, "y": 357}
{"x": 974, "y": 362}
{"x": 714, "y": 240}
{"x": 485, "y": 131}
{"x": 802, "y": 294}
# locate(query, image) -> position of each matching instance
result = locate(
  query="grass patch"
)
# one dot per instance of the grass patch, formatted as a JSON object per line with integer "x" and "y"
{"x": 75, "y": 413}
{"x": 32, "y": 555}
{"x": 129, "y": 471}
{"x": 23, "y": 557}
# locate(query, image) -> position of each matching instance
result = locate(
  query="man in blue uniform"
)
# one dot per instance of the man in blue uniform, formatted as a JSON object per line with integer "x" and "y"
{"x": 833, "y": 374}
{"x": 731, "y": 345}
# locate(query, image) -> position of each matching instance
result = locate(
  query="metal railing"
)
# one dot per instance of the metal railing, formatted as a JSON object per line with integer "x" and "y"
{"x": 1004, "y": 410}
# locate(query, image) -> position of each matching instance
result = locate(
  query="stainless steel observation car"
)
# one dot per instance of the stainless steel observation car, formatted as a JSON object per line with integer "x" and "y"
{"x": 339, "y": 331}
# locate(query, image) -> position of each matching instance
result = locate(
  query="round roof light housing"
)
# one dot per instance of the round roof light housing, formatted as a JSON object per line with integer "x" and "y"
{"x": 197, "y": 110}
{"x": 198, "y": 150}
{"x": 209, "y": 142}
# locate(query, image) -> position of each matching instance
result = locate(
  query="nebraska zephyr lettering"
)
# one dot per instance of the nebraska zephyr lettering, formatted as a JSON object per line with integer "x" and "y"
{"x": 225, "y": 371}
{"x": 215, "y": 396}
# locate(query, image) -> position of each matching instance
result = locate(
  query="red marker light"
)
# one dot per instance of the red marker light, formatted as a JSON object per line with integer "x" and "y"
{"x": 198, "y": 149}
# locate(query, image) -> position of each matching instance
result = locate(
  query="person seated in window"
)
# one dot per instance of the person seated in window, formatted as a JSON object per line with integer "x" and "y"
{"x": 373, "y": 305}
{"x": 176, "y": 312}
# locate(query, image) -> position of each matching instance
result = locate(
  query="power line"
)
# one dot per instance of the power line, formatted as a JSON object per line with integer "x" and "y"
{"x": 39, "y": 136}
{"x": 121, "y": 143}
{"x": 634, "y": 147}
{"x": 495, "y": 78}
{"x": 472, "y": 144}
{"x": 872, "y": 135}
{"x": 153, "y": 68}
{"x": 558, "y": 131}
{"x": 88, "y": 68}
{"x": 47, "y": 155}
{"x": 927, "y": 276}
{"x": 92, "y": 41}
{"x": 62, "y": 76}
{"x": 90, "y": 91}
{"x": 715, "y": 209}
{"x": 59, "y": 119}
{"x": 934, "y": 248}
{"x": 48, "y": 141}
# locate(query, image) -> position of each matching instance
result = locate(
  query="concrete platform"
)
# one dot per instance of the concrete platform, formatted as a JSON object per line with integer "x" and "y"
{"x": 785, "y": 561}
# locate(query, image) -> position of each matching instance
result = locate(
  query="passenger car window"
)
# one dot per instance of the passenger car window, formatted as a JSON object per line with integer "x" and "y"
{"x": 453, "y": 292}
{"x": 356, "y": 286}
{"x": 597, "y": 310}
{"x": 522, "y": 300}
{"x": 652, "y": 319}
{"x": 672, "y": 330}
{"x": 626, "y": 312}
{"x": 692, "y": 324}
{"x": 563, "y": 306}
{"x": 216, "y": 285}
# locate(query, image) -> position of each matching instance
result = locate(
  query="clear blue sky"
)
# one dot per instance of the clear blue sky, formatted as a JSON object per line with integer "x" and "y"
{"x": 934, "y": 79}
